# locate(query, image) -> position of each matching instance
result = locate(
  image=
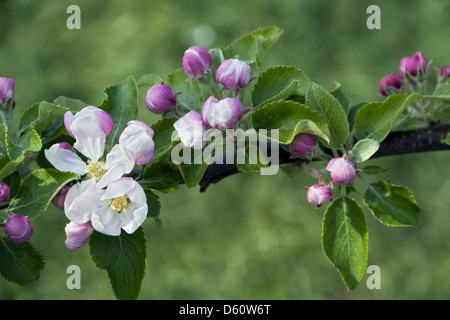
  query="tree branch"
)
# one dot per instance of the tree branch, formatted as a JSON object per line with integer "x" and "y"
{"x": 396, "y": 143}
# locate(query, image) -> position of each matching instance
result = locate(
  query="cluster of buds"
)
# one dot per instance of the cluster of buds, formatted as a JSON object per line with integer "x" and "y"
{"x": 341, "y": 170}
{"x": 413, "y": 71}
{"x": 17, "y": 227}
{"x": 217, "y": 111}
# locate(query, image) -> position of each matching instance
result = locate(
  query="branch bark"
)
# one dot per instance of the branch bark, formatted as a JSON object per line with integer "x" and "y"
{"x": 396, "y": 143}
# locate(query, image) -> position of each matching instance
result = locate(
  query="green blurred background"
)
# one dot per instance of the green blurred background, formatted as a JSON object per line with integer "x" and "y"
{"x": 250, "y": 236}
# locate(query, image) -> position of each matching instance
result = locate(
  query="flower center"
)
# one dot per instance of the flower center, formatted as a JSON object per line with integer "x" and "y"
{"x": 120, "y": 203}
{"x": 95, "y": 169}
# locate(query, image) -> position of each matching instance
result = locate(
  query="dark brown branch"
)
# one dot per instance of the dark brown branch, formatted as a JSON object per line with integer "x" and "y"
{"x": 396, "y": 143}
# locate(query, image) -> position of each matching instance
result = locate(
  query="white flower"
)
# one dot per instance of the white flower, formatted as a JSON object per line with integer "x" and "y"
{"x": 122, "y": 205}
{"x": 90, "y": 127}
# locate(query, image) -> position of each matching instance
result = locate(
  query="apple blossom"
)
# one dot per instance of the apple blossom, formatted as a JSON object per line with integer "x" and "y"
{"x": 122, "y": 205}
{"x": 222, "y": 114}
{"x": 190, "y": 129}
{"x": 137, "y": 137}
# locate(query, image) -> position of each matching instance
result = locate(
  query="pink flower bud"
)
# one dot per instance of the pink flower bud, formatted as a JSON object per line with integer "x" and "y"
{"x": 6, "y": 89}
{"x": 222, "y": 114}
{"x": 342, "y": 170}
{"x": 18, "y": 228}
{"x": 233, "y": 74}
{"x": 77, "y": 235}
{"x": 445, "y": 72}
{"x": 303, "y": 144}
{"x": 102, "y": 118}
{"x": 196, "y": 62}
{"x": 190, "y": 129}
{"x": 160, "y": 99}
{"x": 60, "y": 197}
{"x": 413, "y": 65}
{"x": 4, "y": 192}
{"x": 319, "y": 194}
{"x": 137, "y": 138}
{"x": 390, "y": 82}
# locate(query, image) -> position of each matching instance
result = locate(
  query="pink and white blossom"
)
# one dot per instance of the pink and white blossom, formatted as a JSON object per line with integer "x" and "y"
{"x": 342, "y": 170}
{"x": 122, "y": 205}
{"x": 222, "y": 114}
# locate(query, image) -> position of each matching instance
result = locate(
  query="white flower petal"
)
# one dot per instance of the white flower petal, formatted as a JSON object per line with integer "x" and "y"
{"x": 106, "y": 221}
{"x": 134, "y": 217}
{"x": 65, "y": 160}
{"x": 81, "y": 200}
{"x": 119, "y": 188}
{"x": 90, "y": 138}
{"x": 119, "y": 156}
{"x": 137, "y": 194}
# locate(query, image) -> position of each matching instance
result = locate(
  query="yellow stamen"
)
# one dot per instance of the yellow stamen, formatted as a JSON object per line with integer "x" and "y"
{"x": 95, "y": 169}
{"x": 120, "y": 204}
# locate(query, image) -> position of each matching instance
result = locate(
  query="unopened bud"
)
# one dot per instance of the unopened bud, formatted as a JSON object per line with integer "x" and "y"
{"x": 303, "y": 144}
{"x": 342, "y": 170}
{"x": 77, "y": 235}
{"x": 4, "y": 192}
{"x": 415, "y": 65}
{"x": 391, "y": 83}
{"x": 6, "y": 89}
{"x": 196, "y": 62}
{"x": 222, "y": 114}
{"x": 233, "y": 74}
{"x": 160, "y": 99}
{"x": 319, "y": 194}
{"x": 18, "y": 228}
{"x": 137, "y": 138}
{"x": 60, "y": 197}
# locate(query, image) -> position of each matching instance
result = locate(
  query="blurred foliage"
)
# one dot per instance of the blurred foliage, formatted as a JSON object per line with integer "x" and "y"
{"x": 250, "y": 236}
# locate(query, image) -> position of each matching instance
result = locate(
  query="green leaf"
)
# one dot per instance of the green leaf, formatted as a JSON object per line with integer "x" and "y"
{"x": 216, "y": 60}
{"x": 253, "y": 46}
{"x": 363, "y": 150}
{"x": 162, "y": 138}
{"x": 318, "y": 99}
{"x": 191, "y": 93}
{"x": 278, "y": 83}
{"x": 124, "y": 257}
{"x": 122, "y": 105}
{"x": 73, "y": 105}
{"x": 192, "y": 173}
{"x": 27, "y": 143}
{"x": 372, "y": 170}
{"x": 343, "y": 99}
{"x": 46, "y": 118}
{"x": 154, "y": 205}
{"x": 37, "y": 191}
{"x": 392, "y": 205}
{"x": 20, "y": 263}
{"x": 149, "y": 80}
{"x": 345, "y": 239}
{"x": 290, "y": 118}
{"x": 442, "y": 93}
{"x": 446, "y": 140}
{"x": 375, "y": 120}
{"x": 161, "y": 176}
